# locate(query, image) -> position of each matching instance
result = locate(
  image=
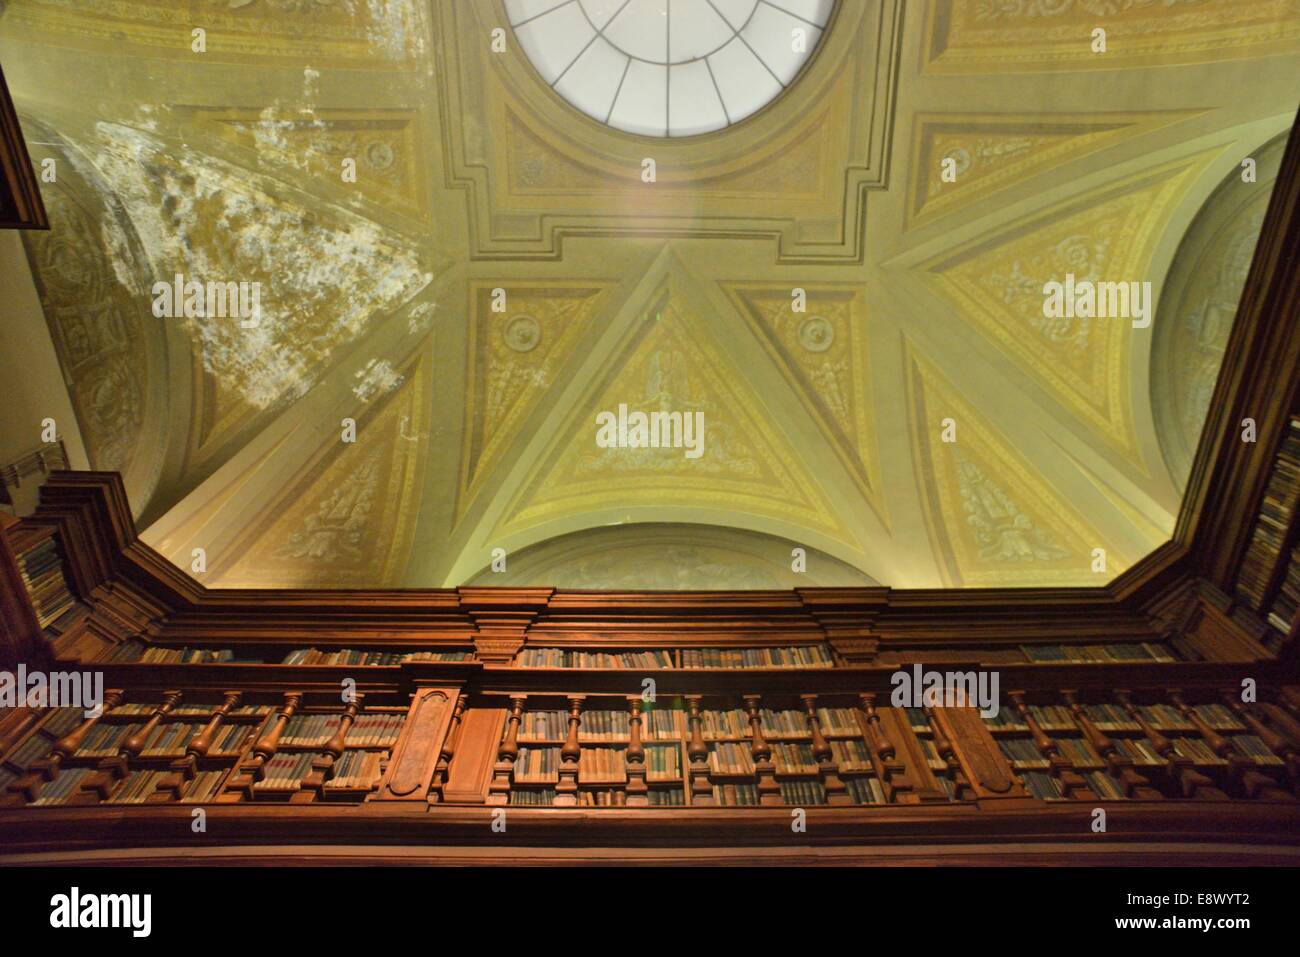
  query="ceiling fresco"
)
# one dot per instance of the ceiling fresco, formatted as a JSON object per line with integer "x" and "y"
{"x": 485, "y": 337}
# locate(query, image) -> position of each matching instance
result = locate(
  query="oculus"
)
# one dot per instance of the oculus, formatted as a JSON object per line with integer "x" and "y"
{"x": 669, "y": 67}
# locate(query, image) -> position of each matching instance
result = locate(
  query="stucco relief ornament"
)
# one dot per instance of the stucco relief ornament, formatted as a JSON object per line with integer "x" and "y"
{"x": 816, "y": 334}
{"x": 523, "y": 333}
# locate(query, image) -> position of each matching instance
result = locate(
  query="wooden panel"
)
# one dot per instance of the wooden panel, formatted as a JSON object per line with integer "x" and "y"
{"x": 416, "y": 754}
{"x": 468, "y": 777}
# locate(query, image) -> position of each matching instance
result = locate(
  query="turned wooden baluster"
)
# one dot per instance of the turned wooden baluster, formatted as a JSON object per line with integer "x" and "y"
{"x": 115, "y": 768}
{"x": 239, "y": 784}
{"x": 566, "y": 792}
{"x": 836, "y": 791}
{"x": 769, "y": 792}
{"x": 638, "y": 792}
{"x": 1282, "y": 723}
{"x": 962, "y": 791}
{"x": 1120, "y": 765}
{"x": 1191, "y": 782}
{"x": 1242, "y": 771}
{"x": 448, "y": 752}
{"x": 1072, "y": 783}
{"x": 133, "y": 745}
{"x": 890, "y": 771}
{"x": 507, "y": 753}
{"x": 322, "y": 766}
{"x": 698, "y": 752}
{"x": 201, "y": 744}
{"x": 27, "y": 788}
{"x": 269, "y": 742}
{"x": 1275, "y": 742}
{"x": 184, "y": 768}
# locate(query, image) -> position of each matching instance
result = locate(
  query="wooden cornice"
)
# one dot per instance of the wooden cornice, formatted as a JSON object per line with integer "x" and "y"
{"x": 20, "y": 194}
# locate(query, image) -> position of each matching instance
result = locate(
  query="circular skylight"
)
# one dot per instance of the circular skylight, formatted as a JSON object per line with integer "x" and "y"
{"x": 669, "y": 67}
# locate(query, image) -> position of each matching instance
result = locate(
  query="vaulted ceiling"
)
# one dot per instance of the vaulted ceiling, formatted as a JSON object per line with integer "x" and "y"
{"x": 499, "y": 271}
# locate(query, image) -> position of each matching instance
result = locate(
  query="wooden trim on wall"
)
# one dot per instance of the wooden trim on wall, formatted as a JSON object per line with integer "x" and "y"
{"x": 20, "y": 195}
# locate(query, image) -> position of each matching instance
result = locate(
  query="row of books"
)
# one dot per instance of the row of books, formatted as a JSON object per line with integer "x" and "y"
{"x": 1040, "y": 784}
{"x": 794, "y": 758}
{"x": 373, "y": 730}
{"x": 41, "y": 569}
{"x": 736, "y": 795}
{"x": 39, "y": 744}
{"x": 666, "y": 797}
{"x": 357, "y": 769}
{"x": 65, "y": 786}
{"x": 204, "y": 787}
{"x": 285, "y": 772}
{"x": 726, "y": 757}
{"x": 663, "y": 762}
{"x": 602, "y": 798}
{"x": 1115, "y": 651}
{"x": 186, "y": 656}
{"x": 792, "y": 656}
{"x": 1277, "y": 514}
{"x": 185, "y": 710}
{"x": 1104, "y": 786}
{"x": 539, "y": 797}
{"x": 1079, "y": 752}
{"x": 567, "y": 658}
{"x": 1282, "y": 615}
{"x": 865, "y": 790}
{"x": 1023, "y": 753}
{"x": 1249, "y": 746}
{"x": 352, "y": 656}
{"x": 537, "y": 765}
{"x": 601, "y": 764}
{"x": 851, "y": 755}
{"x": 803, "y": 793}
{"x": 105, "y": 740}
{"x": 138, "y": 786}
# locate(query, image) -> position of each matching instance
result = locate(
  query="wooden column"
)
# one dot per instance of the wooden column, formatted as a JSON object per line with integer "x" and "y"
{"x": 836, "y": 791}
{"x": 566, "y": 792}
{"x": 698, "y": 752}
{"x": 884, "y": 756}
{"x": 437, "y": 789}
{"x": 1275, "y": 742}
{"x": 507, "y": 753}
{"x": 1121, "y": 767}
{"x": 769, "y": 792}
{"x": 962, "y": 790}
{"x": 638, "y": 793}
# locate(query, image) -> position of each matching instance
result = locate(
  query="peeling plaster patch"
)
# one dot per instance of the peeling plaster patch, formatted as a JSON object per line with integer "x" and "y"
{"x": 119, "y": 254}
{"x": 322, "y": 282}
{"x": 421, "y": 318}
{"x": 377, "y": 376}
{"x": 395, "y": 28}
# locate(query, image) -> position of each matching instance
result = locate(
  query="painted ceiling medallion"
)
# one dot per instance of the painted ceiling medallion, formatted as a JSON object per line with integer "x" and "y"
{"x": 816, "y": 334}
{"x": 523, "y": 333}
{"x": 669, "y": 67}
